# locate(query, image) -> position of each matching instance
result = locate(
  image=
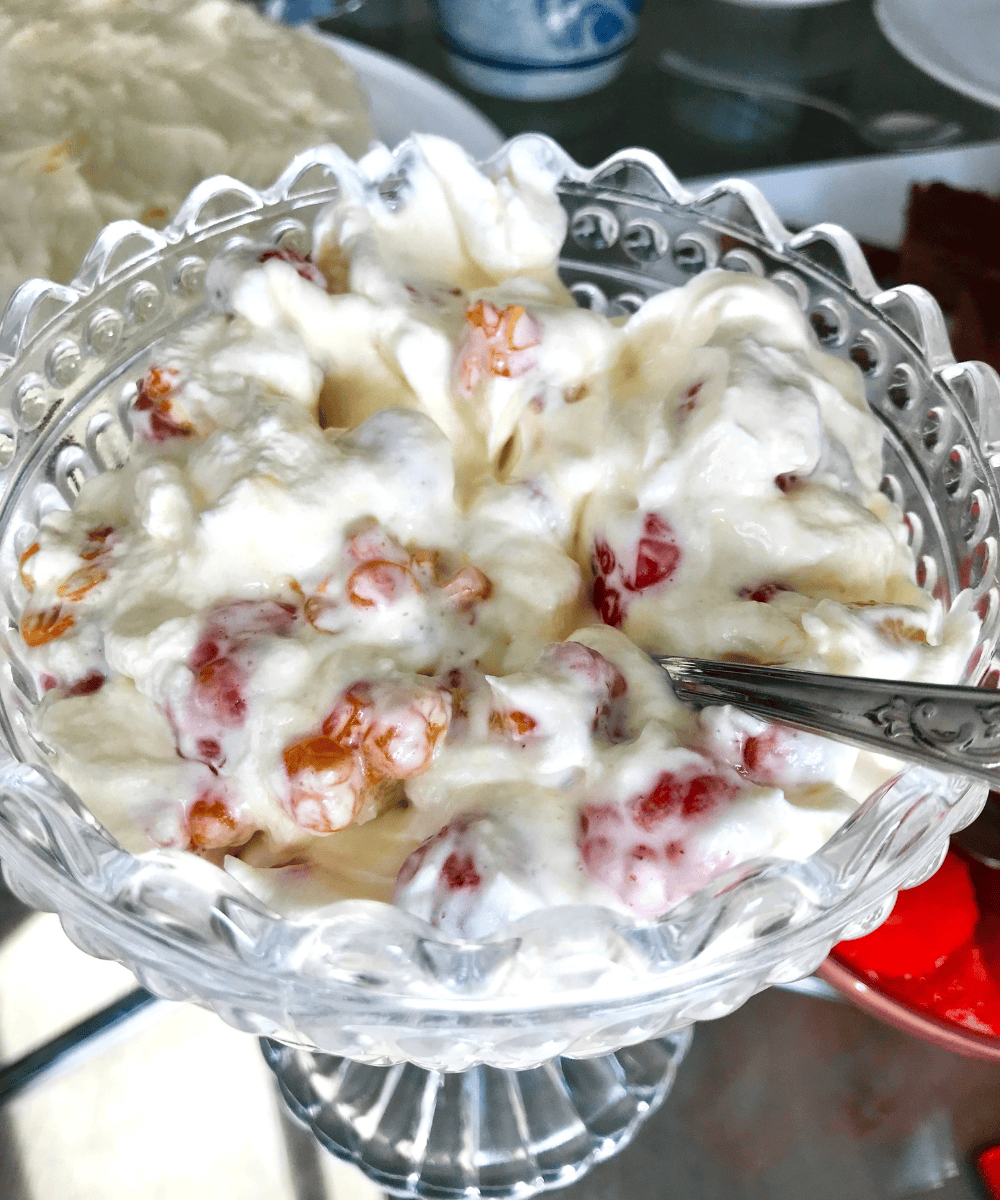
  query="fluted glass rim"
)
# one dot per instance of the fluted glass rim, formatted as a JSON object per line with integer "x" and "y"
{"x": 368, "y": 980}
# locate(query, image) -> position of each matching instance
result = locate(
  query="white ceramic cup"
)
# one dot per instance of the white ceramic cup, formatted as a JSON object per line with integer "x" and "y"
{"x": 537, "y": 49}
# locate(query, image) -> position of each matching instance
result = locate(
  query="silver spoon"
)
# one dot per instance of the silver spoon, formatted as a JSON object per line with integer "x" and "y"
{"x": 954, "y": 729}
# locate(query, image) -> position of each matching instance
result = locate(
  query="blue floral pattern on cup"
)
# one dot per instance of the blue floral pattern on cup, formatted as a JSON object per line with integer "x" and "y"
{"x": 521, "y": 37}
{"x": 570, "y": 21}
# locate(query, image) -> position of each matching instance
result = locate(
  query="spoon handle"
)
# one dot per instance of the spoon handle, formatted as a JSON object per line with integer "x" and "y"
{"x": 950, "y": 728}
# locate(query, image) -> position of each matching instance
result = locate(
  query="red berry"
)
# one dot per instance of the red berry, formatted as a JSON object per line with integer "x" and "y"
{"x": 301, "y": 262}
{"x": 459, "y": 871}
{"x": 607, "y": 601}
{"x": 638, "y": 849}
{"x": 763, "y": 592}
{"x": 92, "y": 682}
{"x": 656, "y": 556}
{"x": 674, "y": 796}
{"x": 604, "y": 560}
{"x": 788, "y": 482}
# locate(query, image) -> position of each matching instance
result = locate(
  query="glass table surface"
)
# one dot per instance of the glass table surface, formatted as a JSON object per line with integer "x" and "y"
{"x": 791, "y": 1095}
{"x": 715, "y": 87}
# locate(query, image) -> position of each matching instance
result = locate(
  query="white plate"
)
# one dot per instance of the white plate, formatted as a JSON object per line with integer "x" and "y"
{"x": 955, "y": 41}
{"x": 405, "y": 100}
{"x": 869, "y": 195}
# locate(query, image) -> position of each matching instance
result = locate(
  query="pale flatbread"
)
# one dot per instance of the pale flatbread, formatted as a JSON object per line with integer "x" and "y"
{"x": 117, "y": 108}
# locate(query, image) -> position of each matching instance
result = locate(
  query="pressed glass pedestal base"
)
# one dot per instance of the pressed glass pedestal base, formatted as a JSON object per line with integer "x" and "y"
{"x": 485, "y": 1132}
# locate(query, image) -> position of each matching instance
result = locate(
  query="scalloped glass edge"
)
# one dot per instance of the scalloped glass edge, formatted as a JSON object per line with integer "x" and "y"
{"x": 372, "y": 983}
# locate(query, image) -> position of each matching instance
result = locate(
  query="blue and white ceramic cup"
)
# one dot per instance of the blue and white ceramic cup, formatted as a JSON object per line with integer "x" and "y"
{"x": 537, "y": 49}
{"x": 302, "y": 12}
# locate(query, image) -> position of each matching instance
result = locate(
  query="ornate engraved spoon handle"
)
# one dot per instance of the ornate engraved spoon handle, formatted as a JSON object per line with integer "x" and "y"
{"x": 951, "y": 728}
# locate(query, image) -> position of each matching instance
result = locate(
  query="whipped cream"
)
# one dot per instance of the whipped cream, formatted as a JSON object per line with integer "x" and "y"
{"x": 365, "y": 614}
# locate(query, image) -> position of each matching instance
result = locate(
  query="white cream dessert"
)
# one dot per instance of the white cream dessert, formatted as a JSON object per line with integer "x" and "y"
{"x": 365, "y": 613}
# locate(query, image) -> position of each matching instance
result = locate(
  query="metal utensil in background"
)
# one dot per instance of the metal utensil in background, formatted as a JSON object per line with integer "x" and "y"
{"x": 300, "y": 12}
{"x": 831, "y": 58}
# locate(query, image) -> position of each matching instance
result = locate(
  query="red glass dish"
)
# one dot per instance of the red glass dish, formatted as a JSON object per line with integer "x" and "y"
{"x": 933, "y": 969}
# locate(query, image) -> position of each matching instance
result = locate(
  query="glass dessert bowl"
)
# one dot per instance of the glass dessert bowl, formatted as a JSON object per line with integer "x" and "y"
{"x": 363, "y": 1001}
